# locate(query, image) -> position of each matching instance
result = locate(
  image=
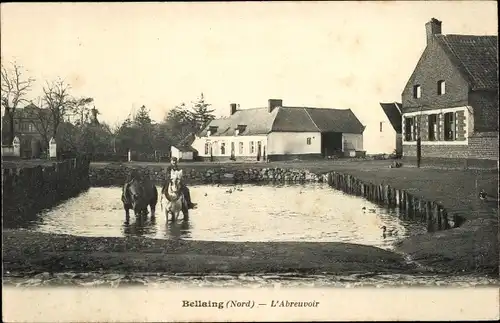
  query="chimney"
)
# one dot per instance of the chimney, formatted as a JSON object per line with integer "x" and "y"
{"x": 274, "y": 103}
{"x": 233, "y": 108}
{"x": 433, "y": 27}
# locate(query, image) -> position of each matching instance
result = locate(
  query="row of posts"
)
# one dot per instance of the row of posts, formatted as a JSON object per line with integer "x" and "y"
{"x": 432, "y": 213}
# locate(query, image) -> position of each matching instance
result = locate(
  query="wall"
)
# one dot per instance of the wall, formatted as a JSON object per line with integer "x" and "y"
{"x": 10, "y": 151}
{"x": 184, "y": 155}
{"x": 352, "y": 141}
{"x": 117, "y": 174}
{"x": 484, "y": 146}
{"x": 199, "y": 145}
{"x": 434, "y": 65}
{"x": 437, "y": 151}
{"x": 377, "y": 142}
{"x": 28, "y": 190}
{"x": 485, "y": 104}
{"x": 294, "y": 143}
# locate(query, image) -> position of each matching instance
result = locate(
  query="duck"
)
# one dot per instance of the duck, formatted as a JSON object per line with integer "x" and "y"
{"x": 363, "y": 208}
{"x": 229, "y": 191}
{"x": 483, "y": 195}
{"x": 372, "y": 210}
{"x": 206, "y": 194}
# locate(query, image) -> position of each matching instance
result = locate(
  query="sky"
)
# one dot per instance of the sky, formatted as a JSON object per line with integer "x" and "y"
{"x": 318, "y": 54}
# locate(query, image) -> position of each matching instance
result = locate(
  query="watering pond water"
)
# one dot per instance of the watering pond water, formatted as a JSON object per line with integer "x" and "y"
{"x": 312, "y": 212}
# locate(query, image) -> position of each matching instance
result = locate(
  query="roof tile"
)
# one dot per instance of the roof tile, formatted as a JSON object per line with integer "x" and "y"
{"x": 475, "y": 56}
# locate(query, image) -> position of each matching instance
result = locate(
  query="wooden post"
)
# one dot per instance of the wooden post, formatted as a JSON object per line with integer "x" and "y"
{"x": 435, "y": 216}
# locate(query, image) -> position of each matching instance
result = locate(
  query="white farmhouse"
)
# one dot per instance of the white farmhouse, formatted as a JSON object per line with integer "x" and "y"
{"x": 278, "y": 133}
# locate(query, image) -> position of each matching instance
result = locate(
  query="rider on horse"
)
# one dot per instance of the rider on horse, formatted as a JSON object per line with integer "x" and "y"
{"x": 184, "y": 189}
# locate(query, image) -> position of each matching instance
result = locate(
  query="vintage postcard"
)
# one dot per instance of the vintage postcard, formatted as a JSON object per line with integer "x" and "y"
{"x": 250, "y": 161}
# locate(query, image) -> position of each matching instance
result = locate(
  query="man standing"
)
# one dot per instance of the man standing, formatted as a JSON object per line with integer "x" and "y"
{"x": 185, "y": 190}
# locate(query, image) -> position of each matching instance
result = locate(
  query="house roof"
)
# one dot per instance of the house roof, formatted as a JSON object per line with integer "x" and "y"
{"x": 185, "y": 148}
{"x": 393, "y": 113}
{"x": 260, "y": 121}
{"x": 475, "y": 56}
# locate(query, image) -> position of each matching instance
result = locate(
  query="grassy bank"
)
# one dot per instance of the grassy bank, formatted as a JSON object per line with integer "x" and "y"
{"x": 472, "y": 248}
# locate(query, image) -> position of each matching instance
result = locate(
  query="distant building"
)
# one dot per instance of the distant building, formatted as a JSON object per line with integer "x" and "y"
{"x": 390, "y": 129}
{"x": 277, "y": 132}
{"x": 27, "y": 126}
{"x": 451, "y": 98}
{"x": 183, "y": 150}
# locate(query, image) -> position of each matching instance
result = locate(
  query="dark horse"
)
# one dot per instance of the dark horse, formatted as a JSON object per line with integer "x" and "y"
{"x": 137, "y": 194}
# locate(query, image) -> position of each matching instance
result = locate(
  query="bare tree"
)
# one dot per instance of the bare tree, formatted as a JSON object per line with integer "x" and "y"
{"x": 14, "y": 88}
{"x": 57, "y": 100}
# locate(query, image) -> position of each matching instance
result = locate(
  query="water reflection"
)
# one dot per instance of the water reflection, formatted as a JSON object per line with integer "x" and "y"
{"x": 248, "y": 213}
{"x": 178, "y": 229}
{"x": 142, "y": 226}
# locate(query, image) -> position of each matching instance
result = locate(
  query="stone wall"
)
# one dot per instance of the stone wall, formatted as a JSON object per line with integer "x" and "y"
{"x": 27, "y": 190}
{"x": 117, "y": 175}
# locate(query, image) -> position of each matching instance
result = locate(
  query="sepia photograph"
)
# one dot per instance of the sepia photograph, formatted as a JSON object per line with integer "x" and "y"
{"x": 250, "y": 161}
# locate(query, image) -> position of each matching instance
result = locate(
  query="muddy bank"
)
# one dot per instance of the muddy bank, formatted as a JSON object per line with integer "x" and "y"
{"x": 471, "y": 248}
{"x": 29, "y": 252}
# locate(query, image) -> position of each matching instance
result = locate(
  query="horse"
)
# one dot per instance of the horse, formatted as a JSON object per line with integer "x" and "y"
{"x": 175, "y": 198}
{"x": 137, "y": 194}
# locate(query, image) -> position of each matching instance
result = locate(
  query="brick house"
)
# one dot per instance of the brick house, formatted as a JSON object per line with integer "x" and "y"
{"x": 278, "y": 132}
{"x": 27, "y": 127}
{"x": 451, "y": 99}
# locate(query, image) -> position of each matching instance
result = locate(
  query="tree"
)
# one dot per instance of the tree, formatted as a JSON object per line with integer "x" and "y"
{"x": 14, "y": 88}
{"x": 57, "y": 100}
{"x": 142, "y": 118}
{"x": 201, "y": 113}
{"x": 81, "y": 108}
{"x": 179, "y": 123}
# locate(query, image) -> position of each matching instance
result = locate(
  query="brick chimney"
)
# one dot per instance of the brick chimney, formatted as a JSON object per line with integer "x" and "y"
{"x": 433, "y": 27}
{"x": 233, "y": 108}
{"x": 274, "y": 103}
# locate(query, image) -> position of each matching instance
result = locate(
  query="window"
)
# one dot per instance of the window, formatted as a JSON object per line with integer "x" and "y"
{"x": 381, "y": 122}
{"x": 207, "y": 148}
{"x": 308, "y": 140}
{"x": 441, "y": 87}
{"x": 252, "y": 147}
{"x": 222, "y": 148}
{"x": 450, "y": 126}
{"x": 417, "y": 91}
{"x": 432, "y": 127}
{"x": 240, "y": 148}
{"x": 31, "y": 128}
{"x": 410, "y": 129}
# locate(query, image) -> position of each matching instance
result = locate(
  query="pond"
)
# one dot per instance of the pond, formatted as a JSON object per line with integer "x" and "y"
{"x": 312, "y": 212}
